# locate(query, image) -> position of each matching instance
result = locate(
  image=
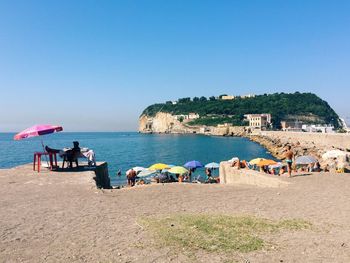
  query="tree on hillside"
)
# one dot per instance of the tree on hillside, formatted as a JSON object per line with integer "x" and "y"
{"x": 184, "y": 100}
{"x": 195, "y": 99}
{"x": 212, "y": 98}
{"x": 203, "y": 98}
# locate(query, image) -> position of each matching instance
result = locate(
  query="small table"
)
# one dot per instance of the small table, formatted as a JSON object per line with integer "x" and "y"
{"x": 37, "y": 158}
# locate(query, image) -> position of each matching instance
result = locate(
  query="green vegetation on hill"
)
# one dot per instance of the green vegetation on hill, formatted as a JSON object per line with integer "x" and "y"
{"x": 306, "y": 107}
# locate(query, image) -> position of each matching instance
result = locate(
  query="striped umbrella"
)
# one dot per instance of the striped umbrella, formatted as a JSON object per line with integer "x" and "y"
{"x": 306, "y": 159}
{"x": 212, "y": 165}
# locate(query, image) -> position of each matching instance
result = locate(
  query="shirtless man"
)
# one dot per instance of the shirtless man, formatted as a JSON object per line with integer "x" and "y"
{"x": 289, "y": 159}
{"x": 131, "y": 177}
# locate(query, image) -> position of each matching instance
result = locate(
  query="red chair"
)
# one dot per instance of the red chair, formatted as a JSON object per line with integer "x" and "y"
{"x": 37, "y": 158}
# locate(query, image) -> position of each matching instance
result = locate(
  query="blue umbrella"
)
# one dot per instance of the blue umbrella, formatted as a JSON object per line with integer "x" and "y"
{"x": 212, "y": 165}
{"x": 193, "y": 164}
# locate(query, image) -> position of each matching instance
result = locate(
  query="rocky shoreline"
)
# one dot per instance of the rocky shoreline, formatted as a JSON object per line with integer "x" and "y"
{"x": 302, "y": 143}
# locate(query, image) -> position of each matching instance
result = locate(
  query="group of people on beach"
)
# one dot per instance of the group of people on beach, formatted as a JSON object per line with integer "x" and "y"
{"x": 278, "y": 169}
{"x": 288, "y": 157}
{"x": 166, "y": 177}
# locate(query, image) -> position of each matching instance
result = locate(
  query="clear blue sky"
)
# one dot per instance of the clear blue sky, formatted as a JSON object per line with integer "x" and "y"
{"x": 95, "y": 65}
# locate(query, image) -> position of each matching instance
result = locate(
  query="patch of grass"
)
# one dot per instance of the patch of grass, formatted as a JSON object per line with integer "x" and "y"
{"x": 217, "y": 233}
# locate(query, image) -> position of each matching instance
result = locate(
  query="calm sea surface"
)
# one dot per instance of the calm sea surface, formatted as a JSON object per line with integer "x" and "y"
{"x": 124, "y": 150}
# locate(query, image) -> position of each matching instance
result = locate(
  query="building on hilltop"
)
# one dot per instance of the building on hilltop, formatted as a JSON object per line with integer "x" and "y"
{"x": 247, "y": 96}
{"x": 228, "y": 97}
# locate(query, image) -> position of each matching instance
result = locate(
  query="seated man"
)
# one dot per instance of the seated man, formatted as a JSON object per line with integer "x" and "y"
{"x": 72, "y": 155}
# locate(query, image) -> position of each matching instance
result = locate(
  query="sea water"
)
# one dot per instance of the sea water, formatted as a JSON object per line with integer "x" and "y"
{"x": 123, "y": 150}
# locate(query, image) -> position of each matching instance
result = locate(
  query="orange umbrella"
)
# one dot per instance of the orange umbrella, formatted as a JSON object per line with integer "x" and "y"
{"x": 266, "y": 162}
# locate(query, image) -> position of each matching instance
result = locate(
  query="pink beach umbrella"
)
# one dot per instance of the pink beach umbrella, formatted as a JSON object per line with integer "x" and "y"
{"x": 37, "y": 130}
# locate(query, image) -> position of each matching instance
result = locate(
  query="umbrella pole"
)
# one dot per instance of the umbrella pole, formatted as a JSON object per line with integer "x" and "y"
{"x": 42, "y": 144}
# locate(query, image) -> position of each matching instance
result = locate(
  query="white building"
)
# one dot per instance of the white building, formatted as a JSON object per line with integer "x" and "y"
{"x": 228, "y": 97}
{"x": 318, "y": 128}
{"x": 247, "y": 96}
{"x": 190, "y": 116}
{"x": 193, "y": 116}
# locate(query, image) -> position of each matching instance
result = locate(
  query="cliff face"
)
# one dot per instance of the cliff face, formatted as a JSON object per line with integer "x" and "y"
{"x": 163, "y": 123}
{"x": 166, "y": 123}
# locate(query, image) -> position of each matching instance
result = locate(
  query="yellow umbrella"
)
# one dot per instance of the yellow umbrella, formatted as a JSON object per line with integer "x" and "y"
{"x": 266, "y": 162}
{"x": 256, "y": 160}
{"x": 178, "y": 170}
{"x": 158, "y": 166}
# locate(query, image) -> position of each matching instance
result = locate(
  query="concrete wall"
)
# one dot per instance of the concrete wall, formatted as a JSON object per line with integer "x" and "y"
{"x": 102, "y": 176}
{"x": 234, "y": 176}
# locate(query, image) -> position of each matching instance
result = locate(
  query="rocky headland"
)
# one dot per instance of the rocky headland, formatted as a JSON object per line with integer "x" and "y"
{"x": 315, "y": 144}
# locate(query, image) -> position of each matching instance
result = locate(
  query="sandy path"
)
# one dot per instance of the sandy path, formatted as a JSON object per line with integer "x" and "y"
{"x": 62, "y": 217}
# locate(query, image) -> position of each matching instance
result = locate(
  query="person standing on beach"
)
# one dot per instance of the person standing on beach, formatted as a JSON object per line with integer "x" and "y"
{"x": 289, "y": 159}
{"x": 131, "y": 177}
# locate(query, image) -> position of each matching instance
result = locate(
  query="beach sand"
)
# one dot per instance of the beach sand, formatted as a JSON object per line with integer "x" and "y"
{"x": 62, "y": 217}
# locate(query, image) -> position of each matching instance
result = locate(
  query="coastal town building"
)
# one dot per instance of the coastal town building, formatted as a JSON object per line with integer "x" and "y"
{"x": 318, "y": 128}
{"x": 258, "y": 121}
{"x": 224, "y": 125}
{"x": 291, "y": 126}
{"x": 298, "y": 126}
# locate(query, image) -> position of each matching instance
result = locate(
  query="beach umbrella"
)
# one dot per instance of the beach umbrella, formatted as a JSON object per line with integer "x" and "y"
{"x": 212, "y": 165}
{"x": 193, "y": 164}
{"x": 145, "y": 172}
{"x": 266, "y": 162}
{"x": 334, "y": 154}
{"x": 306, "y": 159}
{"x": 37, "y": 130}
{"x": 138, "y": 169}
{"x": 178, "y": 170}
{"x": 158, "y": 166}
{"x": 277, "y": 165}
{"x": 256, "y": 160}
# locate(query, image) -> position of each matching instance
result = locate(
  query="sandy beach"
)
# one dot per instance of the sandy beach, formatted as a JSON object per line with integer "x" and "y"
{"x": 51, "y": 217}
